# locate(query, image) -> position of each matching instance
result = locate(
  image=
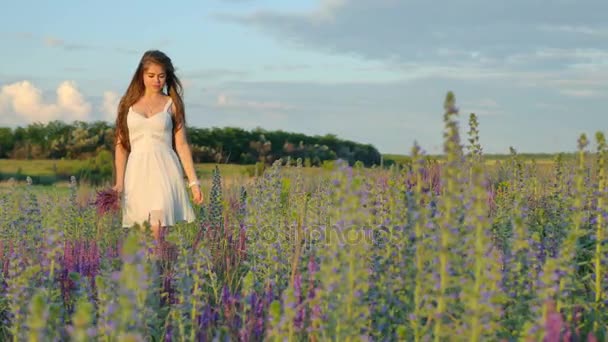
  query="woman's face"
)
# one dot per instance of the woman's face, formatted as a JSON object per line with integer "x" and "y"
{"x": 154, "y": 77}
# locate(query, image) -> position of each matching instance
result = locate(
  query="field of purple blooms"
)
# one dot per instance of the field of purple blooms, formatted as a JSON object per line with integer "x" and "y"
{"x": 428, "y": 250}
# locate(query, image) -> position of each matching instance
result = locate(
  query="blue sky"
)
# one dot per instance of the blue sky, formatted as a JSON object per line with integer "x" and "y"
{"x": 373, "y": 71}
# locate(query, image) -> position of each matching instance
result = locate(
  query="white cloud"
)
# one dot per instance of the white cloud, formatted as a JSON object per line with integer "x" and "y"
{"x": 582, "y": 30}
{"x": 482, "y": 107}
{"x": 25, "y": 101}
{"x": 576, "y": 54}
{"x": 326, "y": 10}
{"x": 109, "y": 106}
{"x": 222, "y": 100}
{"x": 488, "y": 103}
{"x": 4, "y": 104}
{"x": 53, "y": 42}
{"x": 70, "y": 99}
{"x": 269, "y": 121}
{"x": 415, "y": 32}
{"x": 225, "y": 101}
{"x": 187, "y": 83}
{"x": 480, "y": 111}
{"x": 582, "y": 93}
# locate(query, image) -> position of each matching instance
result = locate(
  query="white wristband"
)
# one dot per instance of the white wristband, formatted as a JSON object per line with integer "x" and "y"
{"x": 194, "y": 182}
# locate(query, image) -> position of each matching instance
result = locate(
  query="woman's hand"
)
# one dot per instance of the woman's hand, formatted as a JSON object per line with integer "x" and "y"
{"x": 197, "y": 194}
{"x": 118, "y": 188}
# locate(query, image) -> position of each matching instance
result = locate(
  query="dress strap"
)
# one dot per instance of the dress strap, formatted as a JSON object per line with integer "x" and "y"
{"x": 168, "y": 105}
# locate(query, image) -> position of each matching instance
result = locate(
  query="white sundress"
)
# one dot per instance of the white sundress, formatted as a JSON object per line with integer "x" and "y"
{"x": 154, "y": 179}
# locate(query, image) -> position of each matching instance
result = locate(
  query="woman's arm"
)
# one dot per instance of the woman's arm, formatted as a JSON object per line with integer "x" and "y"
{"x": 120, "y": 162}
{"x": 185, "y": 155}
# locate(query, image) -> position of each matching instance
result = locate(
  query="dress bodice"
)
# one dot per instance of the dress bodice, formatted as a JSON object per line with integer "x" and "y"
{"x": 150, "y": 132}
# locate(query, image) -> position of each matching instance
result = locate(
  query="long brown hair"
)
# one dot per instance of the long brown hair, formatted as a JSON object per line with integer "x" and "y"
{"x": 136, "y": 90}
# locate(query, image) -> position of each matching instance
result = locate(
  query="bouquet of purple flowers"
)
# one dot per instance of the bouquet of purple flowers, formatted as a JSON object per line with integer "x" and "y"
{"x": 107, "y": 201}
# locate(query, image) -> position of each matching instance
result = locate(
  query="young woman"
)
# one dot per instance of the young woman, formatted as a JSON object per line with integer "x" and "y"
{"x": 150, "y": 142}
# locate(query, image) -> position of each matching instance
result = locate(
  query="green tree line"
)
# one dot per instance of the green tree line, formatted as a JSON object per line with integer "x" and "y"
{"x": 84, "y": 140}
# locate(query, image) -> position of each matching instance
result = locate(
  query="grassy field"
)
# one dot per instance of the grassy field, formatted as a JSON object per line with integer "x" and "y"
{"x": 48, "y": 167}
{"x": 542, "y": 158}
{"x": 58, "y": 172}
{"x": 473, "y": 248}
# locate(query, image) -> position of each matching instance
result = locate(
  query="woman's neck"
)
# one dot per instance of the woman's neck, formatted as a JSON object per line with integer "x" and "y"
{"x": 150, "y": 94}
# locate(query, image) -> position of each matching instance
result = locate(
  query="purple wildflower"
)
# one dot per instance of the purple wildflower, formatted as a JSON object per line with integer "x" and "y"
{"x": 107, "y": 201}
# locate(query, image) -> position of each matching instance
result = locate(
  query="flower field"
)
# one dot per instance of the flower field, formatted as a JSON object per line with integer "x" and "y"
{"x": 431, "y": 250}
